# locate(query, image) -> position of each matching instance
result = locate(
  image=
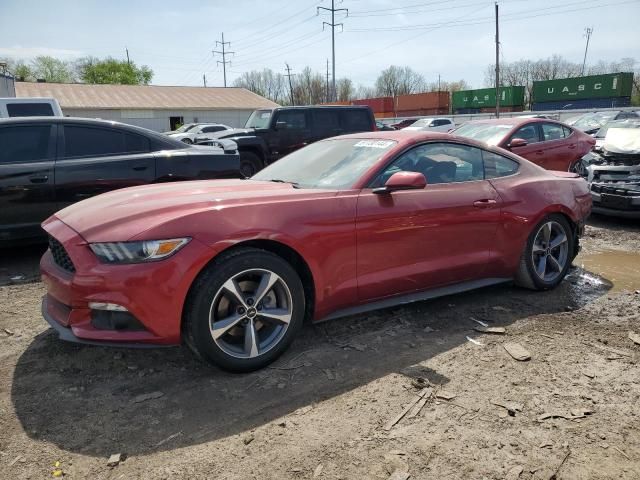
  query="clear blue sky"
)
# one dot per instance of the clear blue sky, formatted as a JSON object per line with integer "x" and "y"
{"x": 453, "y": 38}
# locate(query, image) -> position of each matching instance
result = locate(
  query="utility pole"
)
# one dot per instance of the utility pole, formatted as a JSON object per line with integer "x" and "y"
{"x": 127, "y": 50}
{"x": 204, "y": 79}
{"x": 327, "y": 92}
{"x": 289, "y": 75}
{"x": 497, "y": 66}
{"x": 224, "y": 54}
{"x": 333, "y": 26}
{"x": 438, "y": 82}
{"x": 588, "y": 31}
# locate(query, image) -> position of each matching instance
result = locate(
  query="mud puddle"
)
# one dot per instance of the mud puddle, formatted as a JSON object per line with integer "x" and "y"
{"x": 620, "y": 268}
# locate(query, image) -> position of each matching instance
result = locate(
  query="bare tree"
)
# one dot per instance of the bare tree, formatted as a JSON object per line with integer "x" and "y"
{"x": 265, "y": 83}
{"x": 363, "y": 91}
{"x": 345, "y": 89}
{"x": 396, "y": 81}
{"x": 309, "y": 87}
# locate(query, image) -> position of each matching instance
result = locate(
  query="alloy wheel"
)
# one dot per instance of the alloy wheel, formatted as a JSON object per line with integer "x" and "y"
{"x": 550, "y": 251}
{"x": 250, "y": 313}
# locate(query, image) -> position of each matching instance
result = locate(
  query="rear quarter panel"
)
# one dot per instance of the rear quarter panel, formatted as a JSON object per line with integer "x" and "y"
{"x": 527, "y": 198}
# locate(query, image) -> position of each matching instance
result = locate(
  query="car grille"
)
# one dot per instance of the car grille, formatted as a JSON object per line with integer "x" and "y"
{"x": 60, "y": 255}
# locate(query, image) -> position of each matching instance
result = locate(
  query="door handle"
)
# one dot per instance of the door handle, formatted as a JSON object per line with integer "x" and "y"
{"x": 42, "y": 179}
{"x": 486, "y": 203}
{"x": 140, "y": 168}
{"x": 572, "y": 146}
{"x": 539, "y": 152}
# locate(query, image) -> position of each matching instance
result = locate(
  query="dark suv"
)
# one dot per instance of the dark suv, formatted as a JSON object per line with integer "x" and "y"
{"x": 47, "y": 163}
{"x": 271, "y": 134}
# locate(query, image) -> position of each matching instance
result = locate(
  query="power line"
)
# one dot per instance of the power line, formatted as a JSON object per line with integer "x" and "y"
{"x": 224, "y": 57}
{"x": 333, "y": 26}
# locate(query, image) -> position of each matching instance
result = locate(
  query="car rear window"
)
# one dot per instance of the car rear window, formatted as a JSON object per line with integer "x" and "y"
{"x": 25, "y": 143}
{"x": 29, "y": 110}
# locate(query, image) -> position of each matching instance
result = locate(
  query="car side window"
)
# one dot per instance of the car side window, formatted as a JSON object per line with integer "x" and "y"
{"x": 295, "y": 119}
{"x": 29, "y": 110}
{"x": 496, "y": 166}
{"x": 326, "y": 122}
{"x": 528, "y": 133}
{"x": 82, "y": 141}
{"x": 136, "y": 143}
{"x": 212, "y": 129}
{"x": 24, "y": 143}
{"x": 552, "y": 131}
{"x": 354, "y": 121}
{"x": 439, "y": 163}
{"x": 567, "y": 131}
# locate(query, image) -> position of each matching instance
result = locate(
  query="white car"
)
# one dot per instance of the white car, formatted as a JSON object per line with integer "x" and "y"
{"x": 200, "y": 132}
{"x": 439, "y": 124}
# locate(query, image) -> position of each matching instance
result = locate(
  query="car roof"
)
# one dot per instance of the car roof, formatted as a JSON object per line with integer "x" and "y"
{"x": 410, "y": 137}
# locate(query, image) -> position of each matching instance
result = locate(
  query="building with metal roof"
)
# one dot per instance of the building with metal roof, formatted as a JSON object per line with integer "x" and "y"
{"x": 158, "y": 108}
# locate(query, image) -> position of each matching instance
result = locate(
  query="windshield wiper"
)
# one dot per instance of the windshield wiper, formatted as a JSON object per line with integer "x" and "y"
{"x": 279, "y": 180}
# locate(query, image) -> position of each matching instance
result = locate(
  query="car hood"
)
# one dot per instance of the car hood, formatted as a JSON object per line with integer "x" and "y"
{"x": 234, "y": 132}
{"x": 123, "y": 214}
{"x": 179, "y": 136}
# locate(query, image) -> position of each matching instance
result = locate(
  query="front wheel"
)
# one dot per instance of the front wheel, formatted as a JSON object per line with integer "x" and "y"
{"x": 244, "y": 310}
{"x": 547, "y": 254}
{"x": 250, "y": 164}
{"x": 579, "y": 167}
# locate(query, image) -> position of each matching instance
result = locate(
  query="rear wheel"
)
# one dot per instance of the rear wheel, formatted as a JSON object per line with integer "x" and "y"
{"x": 250, "y": 164}
{"x": 547, "y": 254}
{"x": 244, "y": 310}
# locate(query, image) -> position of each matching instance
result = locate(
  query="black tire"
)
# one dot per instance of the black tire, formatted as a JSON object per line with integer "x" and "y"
{"x": 250, "y": 164}
{"x": 187, "y": 141}
{"x": 579, "y": 167}
{"x": 527, "y": 276}
{"x": 198, "y": 334}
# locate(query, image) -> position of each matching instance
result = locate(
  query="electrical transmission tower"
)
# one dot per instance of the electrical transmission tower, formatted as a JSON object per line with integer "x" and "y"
{"x": 587, "y": 33}
{"x": 333, "y": 26}
{"x": 224, "y": 54}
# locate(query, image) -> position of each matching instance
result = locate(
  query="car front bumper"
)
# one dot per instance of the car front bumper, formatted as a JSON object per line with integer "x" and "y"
{"x": 153, "y": 293}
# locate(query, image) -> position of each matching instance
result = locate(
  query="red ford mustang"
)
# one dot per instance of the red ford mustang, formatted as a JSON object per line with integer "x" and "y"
{"x": 345, "y": 225}
{"x": 550, "y": 144}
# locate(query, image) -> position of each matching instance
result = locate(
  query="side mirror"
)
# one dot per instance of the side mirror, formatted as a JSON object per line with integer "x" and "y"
{"x": 403, "y": 181}
{"x": 517, "y": 142}
{"x": 281, "y": 125}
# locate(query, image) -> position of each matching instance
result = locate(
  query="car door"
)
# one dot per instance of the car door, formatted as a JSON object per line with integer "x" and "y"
{"x": 558, "y": 152}
{"x": 417, "y": 239}
{"x": 27, "y": 154}
{"x": 533, "y": 150}
{"x": 293, "y": 131}
{"x": 97, "y": 159}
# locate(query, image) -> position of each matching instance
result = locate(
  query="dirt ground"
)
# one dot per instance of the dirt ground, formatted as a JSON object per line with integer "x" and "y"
{"x": 325, "y": 410}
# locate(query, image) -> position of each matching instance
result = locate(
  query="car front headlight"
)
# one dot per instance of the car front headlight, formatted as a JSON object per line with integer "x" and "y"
{"x": 137, "y": 252}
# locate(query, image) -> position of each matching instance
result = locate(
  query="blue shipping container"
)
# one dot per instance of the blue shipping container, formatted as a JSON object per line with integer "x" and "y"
{"x": 589, "y": 103}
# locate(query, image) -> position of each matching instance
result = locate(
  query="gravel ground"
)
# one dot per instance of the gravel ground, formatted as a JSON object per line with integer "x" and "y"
{"x": 327, "y": 408}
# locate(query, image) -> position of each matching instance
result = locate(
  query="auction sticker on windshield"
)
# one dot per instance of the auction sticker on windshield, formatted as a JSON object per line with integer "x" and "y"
{"x": 374, "y": 143}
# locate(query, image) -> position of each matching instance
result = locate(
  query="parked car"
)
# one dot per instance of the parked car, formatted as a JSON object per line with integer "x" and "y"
{"x": 432, "y": 125}
{"x": 182, "y": 129}
{"x": 342, "y": 226}
{"x": 198, "y": 132}
{"x": 403, "y": 123}
{"x": 47, "y": 163}
{"x": 614, "y": 172}
{"x": 29, "y": 107}
{"x": 383, "y": 127}
{"x": 269, "y": 135}
{"x": 590, "y": 123}
{"x": 552, "y": 145}
{"x": 602, "y": 132}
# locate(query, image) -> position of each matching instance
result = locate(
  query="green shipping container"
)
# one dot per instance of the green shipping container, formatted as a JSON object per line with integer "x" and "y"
{"x": 577, "y": 88}
{"x": 486, "y": 97}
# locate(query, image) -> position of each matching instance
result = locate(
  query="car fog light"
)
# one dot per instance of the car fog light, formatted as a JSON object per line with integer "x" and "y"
{"x": 112, "y": 307}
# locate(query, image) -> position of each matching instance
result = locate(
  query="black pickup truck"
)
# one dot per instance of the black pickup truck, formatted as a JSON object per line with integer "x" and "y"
{"x": 47, "y": 163}
{"x": 271, "y": 134}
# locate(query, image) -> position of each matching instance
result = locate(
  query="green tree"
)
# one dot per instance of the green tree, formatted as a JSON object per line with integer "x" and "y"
{"x": 52, "y": 70}
{"x": 111, "y": 70}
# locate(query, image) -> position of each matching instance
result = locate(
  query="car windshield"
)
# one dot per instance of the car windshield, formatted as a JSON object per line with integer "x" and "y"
{"x": 423, "y": 122}
{"x": 329, "y": 164}
{"x": 184, "y": 128}
{"x": 490, "y": 133}
{"x": 617, "y": 124}
{"x": 259, "y": 119}
{"x": 590, "y": 121}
